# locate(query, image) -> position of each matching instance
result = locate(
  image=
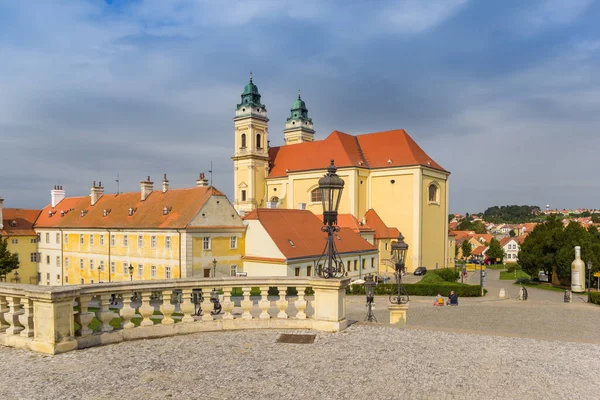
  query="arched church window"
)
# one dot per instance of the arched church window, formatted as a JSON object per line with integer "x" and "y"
{"x": 315, "y": 196}
{"x": 243, "y": 140}
{"x": 433, "y": 192}
{"x": 258, "y": 144}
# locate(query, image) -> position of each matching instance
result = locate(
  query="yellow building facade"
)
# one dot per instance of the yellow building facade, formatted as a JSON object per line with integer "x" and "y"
{"x": 146, "y": 235}
{"x": 384, "y": 171}
{"x": 16, "y": 226}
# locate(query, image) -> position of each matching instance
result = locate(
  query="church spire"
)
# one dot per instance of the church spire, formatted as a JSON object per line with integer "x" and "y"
{"x": 298, "y": 127}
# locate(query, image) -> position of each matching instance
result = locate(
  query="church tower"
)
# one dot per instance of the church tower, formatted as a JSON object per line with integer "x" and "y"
{"x": 251, "y": 157}
{"x": 298, "y": 127}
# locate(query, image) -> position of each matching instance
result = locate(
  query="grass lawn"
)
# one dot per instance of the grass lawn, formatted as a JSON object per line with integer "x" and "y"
{"x": 505, "y": 275}
{"x": 495, "y": 267}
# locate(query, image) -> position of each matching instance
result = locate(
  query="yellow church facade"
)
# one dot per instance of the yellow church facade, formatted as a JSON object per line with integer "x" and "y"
{"x": 384, "y": 171}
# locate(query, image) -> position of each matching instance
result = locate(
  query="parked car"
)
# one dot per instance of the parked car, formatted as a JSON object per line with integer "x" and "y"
{"x": 542, "y": 276}
{"x": 421, "y": 271}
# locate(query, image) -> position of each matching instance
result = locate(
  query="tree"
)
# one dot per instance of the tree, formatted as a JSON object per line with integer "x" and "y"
{"x": 495, "y": 251}
{"x": 466, "y": 249}
{"x": 8, "y": 261}
{"x": 538, "y": 250}
{"x": 479, "y": 227}
{"x": 512, "y": 233}
{"x": 455, "y": 251}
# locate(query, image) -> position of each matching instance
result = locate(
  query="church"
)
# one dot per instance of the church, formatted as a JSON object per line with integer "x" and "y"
{"x": 386, "y": 174}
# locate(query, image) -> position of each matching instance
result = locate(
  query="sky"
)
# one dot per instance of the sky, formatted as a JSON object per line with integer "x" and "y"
{"x": 504, "y": 95}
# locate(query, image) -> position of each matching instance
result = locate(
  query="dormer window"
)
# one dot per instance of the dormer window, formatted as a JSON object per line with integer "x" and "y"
{"x": 62, "y": 213}
{"x": 13, "y": 223}
{"x": 291, "y": 243}
{"x": 166, "y": 210}
{"x": 83, "y": 212}
{"x": 105, "y": 212}
{"x": 131, "y": 211}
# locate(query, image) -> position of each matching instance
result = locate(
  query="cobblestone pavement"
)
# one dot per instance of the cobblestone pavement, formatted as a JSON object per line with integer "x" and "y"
{"x": 363, "y": 362}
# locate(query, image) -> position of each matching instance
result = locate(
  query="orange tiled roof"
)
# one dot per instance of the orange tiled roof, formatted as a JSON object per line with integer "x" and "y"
{"x": 350, "y": 221}
{"x": 372, "y": 150}
{"x": 382, "y": 231}
{"x": 485, "y": 236}
{"x": 477, "y": 251}
{"x": 22, "y": 218}
{"x": 463, "y": 234}
{"x": 297, "y": 233}
{"x": 184, "y": 205}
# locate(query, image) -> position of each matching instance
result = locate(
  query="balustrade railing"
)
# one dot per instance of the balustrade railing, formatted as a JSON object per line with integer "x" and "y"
{"x": 54, "y": 319}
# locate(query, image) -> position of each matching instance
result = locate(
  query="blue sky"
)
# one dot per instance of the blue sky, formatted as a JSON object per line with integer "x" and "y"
{"x": 505, "y": 95}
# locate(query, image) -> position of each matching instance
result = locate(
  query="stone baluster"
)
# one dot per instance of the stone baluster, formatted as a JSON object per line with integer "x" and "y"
{"x": 83, "y": 317}
{"x": 127, "y": 312}
{"x": 187, "y": 307}
{"x": 227, "y": 303}
{"x": 300, "y": 303}
{"x": 146, "y": 310}
{"x": 26, "y": 319}
{"x": 282, "y": 303}
{"x": 12, "y": 316}
{"x": 167, "y": 308}
{"x": 264, "y": 304}
{"x": 105, "y": 315}
{"x": 246, "y": 303}
{"x": 3, "y": 309}
{"x": 206, "y": 305}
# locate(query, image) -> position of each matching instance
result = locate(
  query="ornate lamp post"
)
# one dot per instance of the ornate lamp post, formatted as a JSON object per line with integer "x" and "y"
{"x": 99, "y": 274}
{"x": 130, "y": 272}
{"x": 589, "y": 265}
{"x": 399, "y": 250}
{"x": 17, "y": 279}
{"x": 370, "y": 291}
{"x": 214, "y": 261}
{"x": 331, "y": 187}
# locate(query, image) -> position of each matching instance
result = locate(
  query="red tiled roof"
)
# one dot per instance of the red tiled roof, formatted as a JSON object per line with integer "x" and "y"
{"x": 477, "y": 251}
{"x": 350, "y": 221}
{"x": 297, "y": 233}
{"x": 184, "y": 204}
{"x": 382, "y": 231}
{"x": 23, "y": 218}
{"x": 373, "y": 150}
{"x": 485, "y": 236}
{"x": 463, "y": 234}
{"x": 504, "y": 241}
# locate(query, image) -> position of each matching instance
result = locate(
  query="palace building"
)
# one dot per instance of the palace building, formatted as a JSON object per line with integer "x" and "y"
{"x": 386, "y": 172}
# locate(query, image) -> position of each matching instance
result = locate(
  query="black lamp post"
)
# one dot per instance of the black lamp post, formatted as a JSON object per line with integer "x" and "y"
{"x": 214, "y": 261}
{"x": 99, "y": 274}
{"x": 589, "y": 265}
{"x": 130, "y": 272}
{"x": 16, "y": 276}
{"x": 399, "y": 250}
{"x": 370, "y": 291}
{"x": 331, "y": 187}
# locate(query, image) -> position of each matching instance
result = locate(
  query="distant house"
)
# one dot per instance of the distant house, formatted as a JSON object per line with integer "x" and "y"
{"x": 511, "y": 247}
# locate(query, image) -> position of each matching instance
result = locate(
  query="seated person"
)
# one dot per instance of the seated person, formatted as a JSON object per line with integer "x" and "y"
{"x": 439, "y": 300}
{"x": 452, "y": 299}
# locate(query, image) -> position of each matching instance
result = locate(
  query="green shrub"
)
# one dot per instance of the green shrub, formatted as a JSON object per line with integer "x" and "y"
{"x": 522, "y": 281}
{"x": 511, "y": 268}
{"x": 431, "y": 279}
{"x": 420, "y": 289}
{"x": 447, "y": 274}
{"x": 595, "y": 297}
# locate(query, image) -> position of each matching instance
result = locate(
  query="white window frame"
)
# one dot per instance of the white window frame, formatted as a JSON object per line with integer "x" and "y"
{"x": 101, "y": 265}
{"x": 167, "y": 272}
{"x": 91, "y": 265}
{"x": 113, "y": 240}
{"x": 66, "y": 238}
{"x": 66, "y": 262}
{"x": 101, "y": 240}
{"x": 113, "y": 267}
{"x": 153, "y": 241}
{"x": 168, "y": 242}
{"x": 233, "y": 242}
{"x": 140, "y": 270}
{"x": 58, "y": 261}
{"x": 81, "y": 264}
{"x": 125, "y": 269}
{"x": 47, "y": 237}
{"x": 125, "y": 240}
{"x": 14, "y": 241}
{"x": 81, "y": 239}
{"x": 91, "y": 239}
{"x": 153, "y": 271}
{"x": 233, "y": 269}
{"x": 140, "y": 241}
{"x": 206, "y": 242}
{"x": 57, "y": 238}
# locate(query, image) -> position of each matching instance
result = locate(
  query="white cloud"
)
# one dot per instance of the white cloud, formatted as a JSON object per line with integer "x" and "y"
{"x": 549, "y": 13}
{"x": 416, "y": 16}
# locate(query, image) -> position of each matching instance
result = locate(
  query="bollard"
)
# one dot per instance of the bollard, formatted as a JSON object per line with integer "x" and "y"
{"x": 567, "y": 297}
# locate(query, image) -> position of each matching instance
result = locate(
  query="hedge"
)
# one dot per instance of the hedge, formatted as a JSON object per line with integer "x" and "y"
{"x": 595, "y": 297}
{"x": 420, "y": 289}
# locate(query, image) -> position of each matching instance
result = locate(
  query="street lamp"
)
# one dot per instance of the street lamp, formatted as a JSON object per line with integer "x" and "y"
{"x": 399, "y": 250}
{"x": 16, "y": 276}
{"x": 589, "y": 265}
{"x": 130, "y": 272}
{"x": 99, "y": 274}
{"x": 214, "y": 267}
{"x": 370, "y": 291}
{"x": 330, "y": 188}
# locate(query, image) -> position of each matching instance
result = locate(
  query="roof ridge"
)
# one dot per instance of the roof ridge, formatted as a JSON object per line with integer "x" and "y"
{"x": 360, "y": 151}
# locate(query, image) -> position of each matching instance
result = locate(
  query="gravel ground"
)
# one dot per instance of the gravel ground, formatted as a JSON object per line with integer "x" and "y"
{"x": 374, "y": 362}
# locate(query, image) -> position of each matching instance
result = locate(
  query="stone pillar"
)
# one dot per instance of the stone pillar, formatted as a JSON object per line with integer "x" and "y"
{"x": 105, "y": 315}
{"x": 26, "y": 318}
{"x": 329, "y": 304}
{"x": 127, "y": 312}
{"x": 187, "y": 307}
{"x": 84, "y": 317}
{"x": 146, "y": 310}
{"x": 264, "y": 304}
{"x": 247, "y": 304}
{"x": 3, "y": 309}
{"x": 282, "y": 303}
{"x": 300, "y": 304}
{"x": 53, "y": 319}
{"x": 227, "y": 303}
{"x": 12, "y": 316}
{"x": 206, "y": 305}
{"x": 398, "y": 313}
{"x": 166, "y": 308}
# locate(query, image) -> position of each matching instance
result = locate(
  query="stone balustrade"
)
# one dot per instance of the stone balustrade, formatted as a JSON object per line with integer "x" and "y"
{"x": 56, "y": 319}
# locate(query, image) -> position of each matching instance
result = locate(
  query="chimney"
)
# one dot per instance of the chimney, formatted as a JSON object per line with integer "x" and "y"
{"x": 202, "y": 181}
{"x": 165, "y": 184}
{"x": 1, "y": 204}
{"x": 56, "y": 195}
{"x": 146, "y": 188}
{"x": 96, "y": 192}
